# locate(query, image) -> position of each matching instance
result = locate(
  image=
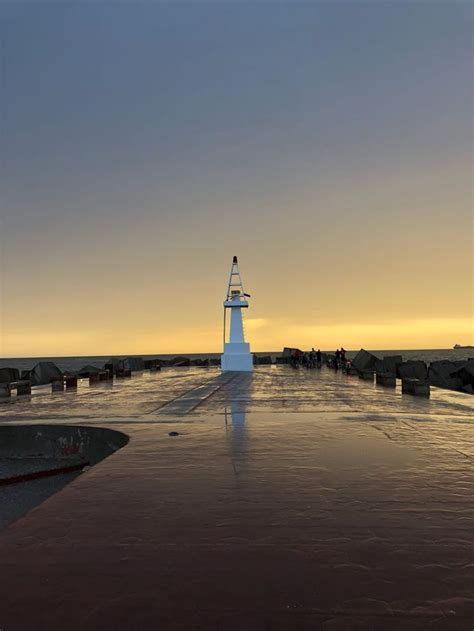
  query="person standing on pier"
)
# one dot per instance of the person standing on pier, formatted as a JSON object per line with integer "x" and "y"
{"x": 295, "y": 358}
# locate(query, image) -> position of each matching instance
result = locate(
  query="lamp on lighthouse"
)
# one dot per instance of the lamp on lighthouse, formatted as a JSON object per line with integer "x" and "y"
{"x": 237, "y": 356}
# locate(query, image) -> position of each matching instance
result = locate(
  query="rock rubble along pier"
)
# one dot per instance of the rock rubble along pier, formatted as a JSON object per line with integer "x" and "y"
{"x": 278, "y": 498}
{"x": 453, "y": 375}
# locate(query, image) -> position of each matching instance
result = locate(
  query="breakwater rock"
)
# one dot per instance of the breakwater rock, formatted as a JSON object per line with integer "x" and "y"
{"x": 457, "y": 375}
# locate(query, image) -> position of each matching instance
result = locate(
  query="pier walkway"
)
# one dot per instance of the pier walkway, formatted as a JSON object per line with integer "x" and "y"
{"x": 286, "y": 500}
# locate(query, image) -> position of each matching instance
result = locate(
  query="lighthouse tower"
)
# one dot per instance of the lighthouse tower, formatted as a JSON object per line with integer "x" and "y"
{"x": 237, "y": 354}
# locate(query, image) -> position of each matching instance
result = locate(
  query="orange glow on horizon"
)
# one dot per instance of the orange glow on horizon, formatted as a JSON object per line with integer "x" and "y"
{"x": 264, "y": 335}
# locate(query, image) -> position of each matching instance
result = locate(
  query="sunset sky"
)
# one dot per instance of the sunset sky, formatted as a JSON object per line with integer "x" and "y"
{"x": 327, "y": 144}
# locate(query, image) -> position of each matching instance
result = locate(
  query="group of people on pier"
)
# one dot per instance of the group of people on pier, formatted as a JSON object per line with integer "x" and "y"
{"x": 313, "y": 359}
{"x": 340, "y": 361}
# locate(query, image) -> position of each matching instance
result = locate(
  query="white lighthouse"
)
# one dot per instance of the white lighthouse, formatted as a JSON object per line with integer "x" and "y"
{"x": 237, "y": 356}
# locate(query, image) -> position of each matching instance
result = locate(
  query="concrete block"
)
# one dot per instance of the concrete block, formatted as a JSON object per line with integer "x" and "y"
{"x": 390, "y": 363}
{"x": 412, "y": 370}
{"x": 111, "y": 368}
{"x": 114, "y": 364}
{"x": 5, "y": 390}
{"x": 465, "y": 372}
{"x": 45, "y": 372}
{"x": 204, "y": 363}
{"x": 70, "y": 382}
{"x": 180, "y": 361}
{"x": 439, "y": 373}
{"x": 445, "y": 374}
{"x": 364, "y": 361}
{"x": 379, "y": 366}
{"x": 387, "y": 379}
{"x": 87, "y": 371}
{"x": 408, "y": 386}
{"x": 453, "y": 383}
{"x": 123, "y": 372}
{"x": 23, "y": 388}
{"x": 8, "y": 375}
{"x": 416, "y": 387}
{"x": 134, "y": 364}
{"x": 422, "y": 389}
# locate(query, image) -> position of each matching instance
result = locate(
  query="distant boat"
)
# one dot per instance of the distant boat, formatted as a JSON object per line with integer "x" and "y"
{"x": 460, "y": 346}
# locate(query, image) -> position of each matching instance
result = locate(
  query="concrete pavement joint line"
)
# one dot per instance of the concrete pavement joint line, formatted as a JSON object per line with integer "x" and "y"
{"x": 194, "y": 397}
{"x": 201, "y": 385}
{"x": 462, "y": 453}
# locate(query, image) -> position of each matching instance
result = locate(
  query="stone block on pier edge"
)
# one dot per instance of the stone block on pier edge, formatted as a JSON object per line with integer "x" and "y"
{"x": 5, "y": 391}
{"x": 412, "y": 370}
{"x": 417, "y": 387}
{"x": 389, "y": 364}
{"x": 7, "y": 375}
{"x": 364, "y": 361}
{"x": 44, "y": 373}
{"x": 386, "y": 379}
{"x": 70, "y": 382}
{"x": 465, "y": 372}
{"x": 265, "y": 360}
{"x": 23, "y": 387}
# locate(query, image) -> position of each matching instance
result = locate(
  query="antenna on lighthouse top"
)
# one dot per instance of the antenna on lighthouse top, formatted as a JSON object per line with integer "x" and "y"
{"x": 235, "y": 289}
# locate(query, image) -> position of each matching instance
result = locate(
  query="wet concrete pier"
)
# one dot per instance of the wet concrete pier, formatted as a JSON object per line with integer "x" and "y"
{"x": 285, "y": 499}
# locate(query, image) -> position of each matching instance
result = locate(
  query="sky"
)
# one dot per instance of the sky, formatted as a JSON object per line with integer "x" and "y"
{"x": 143, "y": 144}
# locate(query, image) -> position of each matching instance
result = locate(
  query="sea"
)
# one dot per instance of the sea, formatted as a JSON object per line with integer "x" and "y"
{"x": 74, "y": 364}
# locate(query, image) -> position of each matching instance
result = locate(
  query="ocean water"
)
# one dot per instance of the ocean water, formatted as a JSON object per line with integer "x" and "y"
{"x": 73, "y": 364}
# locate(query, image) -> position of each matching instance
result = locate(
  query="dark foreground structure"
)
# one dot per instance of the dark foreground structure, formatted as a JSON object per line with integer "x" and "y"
{"x": 277, "y": 500}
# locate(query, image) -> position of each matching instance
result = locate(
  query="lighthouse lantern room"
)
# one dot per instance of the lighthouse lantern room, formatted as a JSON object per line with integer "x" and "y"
{"x": 237, "y": 356}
